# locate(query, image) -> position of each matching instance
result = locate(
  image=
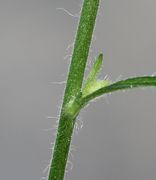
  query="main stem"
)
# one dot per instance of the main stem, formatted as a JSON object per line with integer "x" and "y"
{"x": 70, "y": 107}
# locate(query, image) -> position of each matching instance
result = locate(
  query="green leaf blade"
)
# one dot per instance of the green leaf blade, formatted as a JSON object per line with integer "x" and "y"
{"x": 130, "y": 83}
{"x": 92, "y": 83}
{"x": 95, "y": 69}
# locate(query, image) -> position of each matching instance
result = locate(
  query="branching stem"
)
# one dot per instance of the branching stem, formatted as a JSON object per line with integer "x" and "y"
{"x": 76, "y": 96}
{"x": 73, "y": 87}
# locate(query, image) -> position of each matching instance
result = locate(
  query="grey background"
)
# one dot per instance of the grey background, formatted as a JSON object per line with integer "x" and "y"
{"x": 118, "y": 139}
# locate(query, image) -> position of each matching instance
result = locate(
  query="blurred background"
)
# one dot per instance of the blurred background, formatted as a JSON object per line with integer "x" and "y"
{"x": 118, "y": 138}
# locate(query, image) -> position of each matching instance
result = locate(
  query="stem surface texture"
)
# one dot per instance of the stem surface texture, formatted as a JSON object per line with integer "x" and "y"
{"x": 71, "y": 107}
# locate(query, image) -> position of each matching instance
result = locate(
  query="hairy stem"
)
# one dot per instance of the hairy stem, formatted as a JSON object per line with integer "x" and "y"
{"x": 81, "y": 48}
{"x": 71, "y": 107}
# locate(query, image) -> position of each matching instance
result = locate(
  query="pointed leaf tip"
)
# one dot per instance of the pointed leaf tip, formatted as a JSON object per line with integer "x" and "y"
{"x": 98, "y": 63}
{"x": 100, "y": 56}
{"x": 92, "y": 83}
{"x": 95, "y": 69}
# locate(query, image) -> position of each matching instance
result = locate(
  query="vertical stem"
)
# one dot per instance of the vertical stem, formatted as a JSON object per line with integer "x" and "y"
{"x": 74, "y": 83}
{"x": 81, "y": 48}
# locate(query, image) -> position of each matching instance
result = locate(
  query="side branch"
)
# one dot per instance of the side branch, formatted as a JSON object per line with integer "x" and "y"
{"x": 130, "y": 83}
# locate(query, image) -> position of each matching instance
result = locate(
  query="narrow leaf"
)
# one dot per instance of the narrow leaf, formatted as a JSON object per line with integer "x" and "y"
{"x": 95, "y": 69}
{"x": 92, "y": 84}
{"x": 130, "y": 83}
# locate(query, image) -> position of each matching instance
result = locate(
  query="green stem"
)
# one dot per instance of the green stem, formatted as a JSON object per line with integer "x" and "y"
{"x": 81, "y": 48}
{"x": 71, "y": 107}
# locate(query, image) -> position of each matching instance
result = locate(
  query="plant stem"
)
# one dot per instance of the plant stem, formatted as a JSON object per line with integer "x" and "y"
{"x": 81, "y": 48}
{"x": 70, "y": 107}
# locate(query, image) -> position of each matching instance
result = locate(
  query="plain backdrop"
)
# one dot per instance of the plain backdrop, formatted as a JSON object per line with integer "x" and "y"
{"x": 118, "y": 138}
